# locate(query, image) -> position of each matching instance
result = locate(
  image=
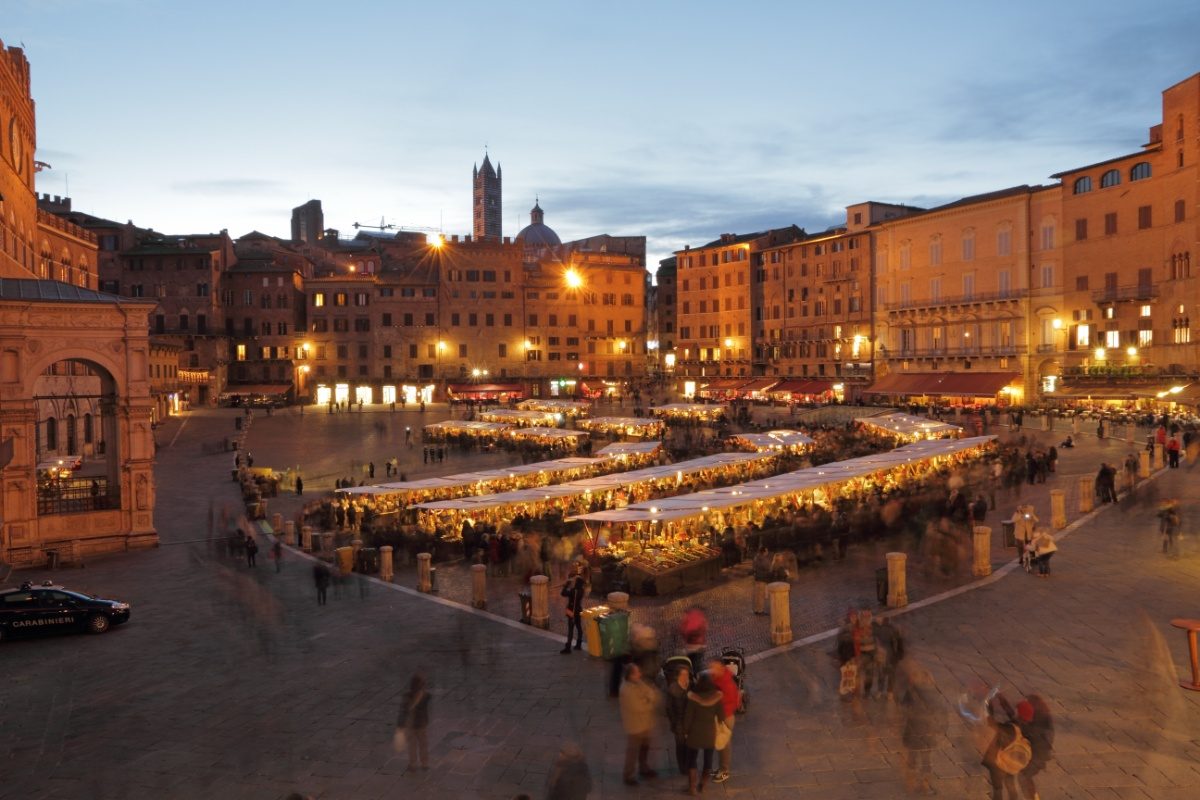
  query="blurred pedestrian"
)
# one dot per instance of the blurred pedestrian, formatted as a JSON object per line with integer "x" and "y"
{"x": 704, "y": 710}
{"x": 1037, "y": 726}
{"x": 889, "y": 650}
{"x": 413, "y": 722}
{"x": 299, "y": 485}
{"x": 573, "y": 592}
{"x": 251, "y": 550}
{"x": 570, "y": 779}
{"x": 321, "y": 578}
{"x": 640, "y": 702}
{"x": 1169, "y": 521}
{"x": 924, "y": 721}
{"x": 693, "y": 628}
{"x": 1009, "y": 751}
{"x": 731, "y": 699}
{"x": 678, "y": 684}
{"x": 277, "y": 553}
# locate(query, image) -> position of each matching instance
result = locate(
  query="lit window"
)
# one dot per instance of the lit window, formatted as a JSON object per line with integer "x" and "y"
{"x": 1112, "y": 339}
{"x": 1145, "y": 311}
{"x": 319, "y": 299}
{"x": 1083, "y": 336}
{"x": 241, "y": 352}
{"x": 1145, "y": 338}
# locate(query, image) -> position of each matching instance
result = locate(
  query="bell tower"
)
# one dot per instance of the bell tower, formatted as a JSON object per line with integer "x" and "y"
{"x": 485, "y": 196}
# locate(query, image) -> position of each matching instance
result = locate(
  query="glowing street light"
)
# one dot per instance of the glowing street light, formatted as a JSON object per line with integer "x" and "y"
{"x": 1100, "y": 353}
{"x": 1131, "y": 351}
{"x": 441, "y": 345}
{"x": 729, "y": 342}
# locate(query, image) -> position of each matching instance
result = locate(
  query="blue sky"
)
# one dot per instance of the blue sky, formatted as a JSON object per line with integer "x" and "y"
{"x": 675, "y": 120}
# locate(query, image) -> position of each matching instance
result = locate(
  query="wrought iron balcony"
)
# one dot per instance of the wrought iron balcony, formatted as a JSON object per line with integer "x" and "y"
{"x": 1118, "y": 294}
{"x": 956, "y": 300}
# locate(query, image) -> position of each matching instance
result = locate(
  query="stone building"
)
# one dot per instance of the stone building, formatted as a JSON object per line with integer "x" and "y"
{"x": 486, "y": 201}
{"x": 664, "y": 314}
{"x": 73, "y": 372}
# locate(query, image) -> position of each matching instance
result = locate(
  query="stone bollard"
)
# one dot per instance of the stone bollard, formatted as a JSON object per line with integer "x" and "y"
{"x": 306, "y": 537}
{"x": 355, "y": 545}
{"x": 760, "y": 597}
{"x": 539, "y": 591}
{"x": 387, "y": 567}
{"x": 289, "y": 533}
{"x": 277, "y": 523}
{"x": 618, "y": 601}
{"x": 1075, "y": 425}
{"x": 1058, "y": 509}
{"x": 1144, "y": 464}
{"x": 1046, "y": 422}
{"x": 1087, "y": 491}
{"x": 479, "y": 585}
{"x": 1160, "y": 456}
{"x": 897, "y": 564}
{"x": 982, "y": 540}
{"x": 781, "y": 612}
{"x": 423, "y": 565}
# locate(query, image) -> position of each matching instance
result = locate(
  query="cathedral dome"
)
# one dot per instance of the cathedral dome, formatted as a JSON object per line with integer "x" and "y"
{"x": 537, "y": 234}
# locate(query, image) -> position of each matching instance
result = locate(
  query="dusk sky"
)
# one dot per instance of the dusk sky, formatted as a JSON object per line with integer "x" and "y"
{"x": 677, "y": 120}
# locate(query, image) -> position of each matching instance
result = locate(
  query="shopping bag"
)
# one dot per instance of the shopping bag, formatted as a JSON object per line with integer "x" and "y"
{"x": 849, "y": 683}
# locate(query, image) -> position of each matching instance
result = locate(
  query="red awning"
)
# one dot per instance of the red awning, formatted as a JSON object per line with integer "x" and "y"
{"x": 485, "y": 388}
{"x": 944, "y": 384}
{"x": 757, "y": 385}
{"x": 268, "y": 389}
{"x": 724, "y": 384}
{"x": 802, "y": 386}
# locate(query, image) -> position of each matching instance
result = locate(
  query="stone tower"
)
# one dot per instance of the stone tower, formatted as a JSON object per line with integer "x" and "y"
{"x": 486, "y": 208}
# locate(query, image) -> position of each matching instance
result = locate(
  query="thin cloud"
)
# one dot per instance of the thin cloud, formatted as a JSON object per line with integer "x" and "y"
{"x": 228, "y": 186}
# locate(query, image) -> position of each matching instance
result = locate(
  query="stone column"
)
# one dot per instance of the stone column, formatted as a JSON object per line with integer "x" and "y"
{"x": 760, "y": 597}
{"x": 539, "y": 591}
{"x": 781, "y": 612}
{"x": 1058, "y": 509}
{"x": 386, "y": 566}
{"x": 423, "y": 564}
{"x": 1087, "y": 491}
{"x": 982, "y": 540}
{"x": 897, "y": 564}
{"x": 1160, "y": 456}
{"x": 1144, "y": 464}
{"x": 479, "y": 585}
{"x": 277, "y": 523}
{"x": 306, "y": 537}
{"x": 289, "y": 533}
{"x": 618, "y": 601}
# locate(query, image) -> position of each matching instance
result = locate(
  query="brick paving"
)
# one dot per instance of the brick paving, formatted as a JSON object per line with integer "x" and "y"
{"x": 233, "y": 683}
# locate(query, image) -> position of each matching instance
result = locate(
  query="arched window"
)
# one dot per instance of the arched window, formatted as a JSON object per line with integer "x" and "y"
{"x": 1110, "y": 178}
{"x": 1139, "y": 171}
{"x": 1083, "y": 184}
{"x": 51, "y": 434}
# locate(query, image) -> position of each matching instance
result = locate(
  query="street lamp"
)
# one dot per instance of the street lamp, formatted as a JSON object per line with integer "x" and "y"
{"x": 572, "y": 278}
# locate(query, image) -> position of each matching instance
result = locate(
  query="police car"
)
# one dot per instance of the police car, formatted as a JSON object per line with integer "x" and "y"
{"x": 34, "y": 610}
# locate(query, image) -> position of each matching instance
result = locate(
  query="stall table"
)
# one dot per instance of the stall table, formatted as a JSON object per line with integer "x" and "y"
{"x": 648, "y": 580}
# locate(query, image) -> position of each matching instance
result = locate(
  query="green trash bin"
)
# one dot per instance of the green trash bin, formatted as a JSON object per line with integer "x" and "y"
{"x": 614, "y": 634}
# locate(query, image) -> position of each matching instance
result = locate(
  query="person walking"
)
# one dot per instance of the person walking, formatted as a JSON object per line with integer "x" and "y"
{"x": 889, "y": 650}
{"x": 277, "y": 553}
{"x": 1044, "y": 548}
{"x": 570, "y": 779}
{"x": 299, "y": 486}
{"x": 704, "y": 711}
{"x": 639, "y": 707}
{"x": 1024, "y": 520}
{"x": 573, "y": 591}
{"x": 1173, "y": 452}
{"x": 371, "y": 470}
{"x": 731, "y": 698}
{"x": 1169, "y": 521}
{"x": 693, "y": 628}
{"x": 923, "y": 723}
{"x": 413, "y": 722}
{"x": 251, "y": 550}
{"x": 678, "y": 684}
{"x": 1003, "y": 757}
{"x": 321, "y": 579}
{"x": 1037, "y": 726}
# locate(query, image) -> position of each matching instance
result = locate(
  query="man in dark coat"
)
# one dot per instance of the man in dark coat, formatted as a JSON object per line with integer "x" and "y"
{"x": 573, "y": 591}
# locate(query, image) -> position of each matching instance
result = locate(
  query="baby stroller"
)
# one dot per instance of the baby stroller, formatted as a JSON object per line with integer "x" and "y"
{"x": 734, "y": 659}
{"x": 1027, "y": 558}
{"x": 673, "y": 665}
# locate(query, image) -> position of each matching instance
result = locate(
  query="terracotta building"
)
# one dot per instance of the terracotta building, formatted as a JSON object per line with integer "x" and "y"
{"x": 1129, "y": 224}
{"x": 73, "y": 372}
{"x": 665, "y": 307}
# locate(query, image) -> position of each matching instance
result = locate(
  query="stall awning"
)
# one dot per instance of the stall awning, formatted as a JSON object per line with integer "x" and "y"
{"x": 947, "y": 384}
{"x": 757, "y": 385}
{"x": 723, "y": 384}
{"x": 802, "y": 386}
{"x": 485, "y": 388}
{"x": 259, "y": 389}
{"x": 1099, "y": 392}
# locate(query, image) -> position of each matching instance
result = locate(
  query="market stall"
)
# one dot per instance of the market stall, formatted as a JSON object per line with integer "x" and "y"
{"x": 552, "y": 438}
{"x": 668, "y": 527}
{"x": 471, "y": 429}
{"x": 909, "y": 428}
{"x": 634, "y": 427}
{"x": 665, "y": 570}
{"x": 524, "y": 419}
{"x": 605, "y": 491}
{"x": 567, "y": 408}
{"x": 689, "y": 412}
{"x": 781, "y": 440}
{"x": 634, "y": 452}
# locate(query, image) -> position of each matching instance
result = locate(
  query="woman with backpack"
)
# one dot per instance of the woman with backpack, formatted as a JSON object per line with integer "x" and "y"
{"x": 1009, "y": 752}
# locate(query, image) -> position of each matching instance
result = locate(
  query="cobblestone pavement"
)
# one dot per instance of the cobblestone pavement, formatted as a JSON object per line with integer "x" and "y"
{"x": 231, "y": 682}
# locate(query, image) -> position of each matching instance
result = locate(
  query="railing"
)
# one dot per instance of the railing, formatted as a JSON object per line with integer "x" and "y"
{"x": 1116, "y": 294}
{"x": 76, "y": 496}
{"x": 975, "y": 297}
{"x": 957, "y": 352}
{"x": 69, "y": 228}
